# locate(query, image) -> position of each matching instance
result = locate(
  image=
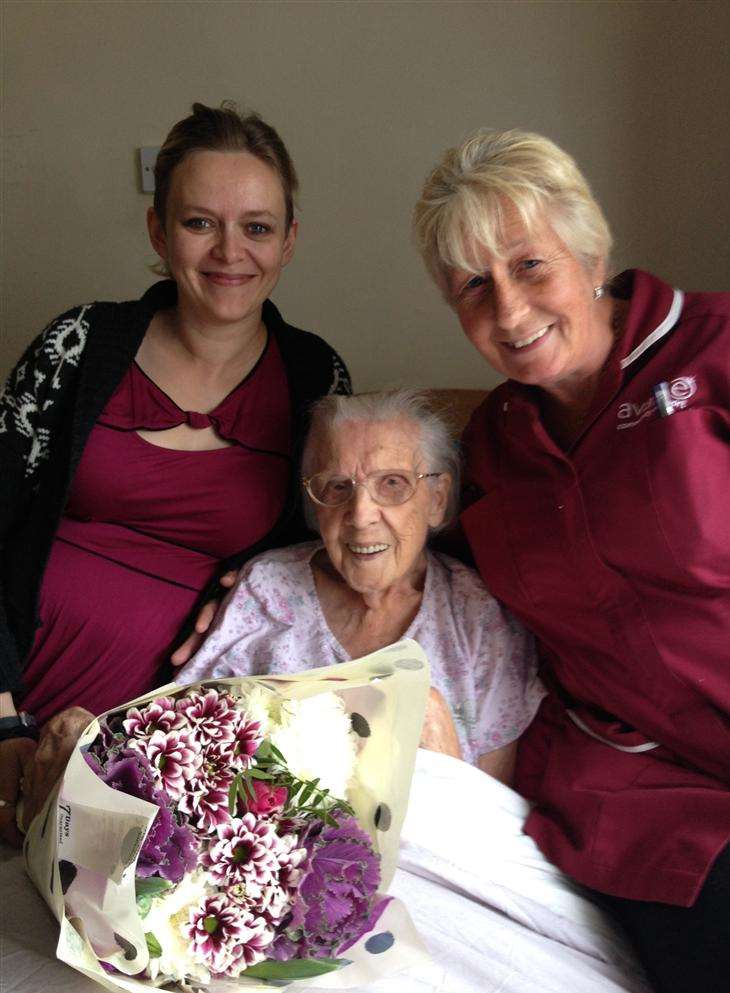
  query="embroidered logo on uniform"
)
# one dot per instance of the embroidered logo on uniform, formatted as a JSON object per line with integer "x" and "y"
{"x": 674, "y": 395}
{"x": 682, "y": 389}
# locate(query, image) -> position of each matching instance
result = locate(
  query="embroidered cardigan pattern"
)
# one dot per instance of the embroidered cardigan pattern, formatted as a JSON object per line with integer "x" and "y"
{"x": 27, "y": 401}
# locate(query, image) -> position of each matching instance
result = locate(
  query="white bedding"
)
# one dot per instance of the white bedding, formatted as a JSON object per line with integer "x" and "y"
{"x": 496, "y": 917}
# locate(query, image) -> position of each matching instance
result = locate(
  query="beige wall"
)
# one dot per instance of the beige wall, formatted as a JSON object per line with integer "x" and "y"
{"x": 367, "y": 95}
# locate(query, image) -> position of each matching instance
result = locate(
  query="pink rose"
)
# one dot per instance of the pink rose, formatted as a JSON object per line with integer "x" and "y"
{"x": 268, "y": 799}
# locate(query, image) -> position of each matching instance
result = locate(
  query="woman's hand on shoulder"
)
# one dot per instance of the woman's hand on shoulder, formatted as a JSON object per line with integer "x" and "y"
{"x": 189, "y": 647}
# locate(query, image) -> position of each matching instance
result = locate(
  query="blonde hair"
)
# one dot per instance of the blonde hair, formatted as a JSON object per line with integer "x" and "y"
{"x": 463, "y": 201}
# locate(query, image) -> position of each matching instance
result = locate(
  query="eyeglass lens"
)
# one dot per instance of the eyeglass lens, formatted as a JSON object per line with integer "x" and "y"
{"x": 388, "y": 488}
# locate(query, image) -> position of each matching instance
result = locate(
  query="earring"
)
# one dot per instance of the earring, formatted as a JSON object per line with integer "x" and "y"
{"x": 598, "y": 292}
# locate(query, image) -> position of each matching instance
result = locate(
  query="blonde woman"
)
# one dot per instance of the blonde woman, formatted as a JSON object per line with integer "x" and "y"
{"x": 597, "y": 479}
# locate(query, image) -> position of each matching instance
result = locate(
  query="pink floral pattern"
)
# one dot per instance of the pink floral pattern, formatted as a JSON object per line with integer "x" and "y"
{"x": 482, "y": 659}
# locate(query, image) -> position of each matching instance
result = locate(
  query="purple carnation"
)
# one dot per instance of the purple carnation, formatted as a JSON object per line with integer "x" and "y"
{"x": 170, "y": 849}
{"x": 336, "y": 903}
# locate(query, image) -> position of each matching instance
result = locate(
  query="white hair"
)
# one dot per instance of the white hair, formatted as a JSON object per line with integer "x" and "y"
{"x": 462, "y": 204}
{"x": 434, "y": 441}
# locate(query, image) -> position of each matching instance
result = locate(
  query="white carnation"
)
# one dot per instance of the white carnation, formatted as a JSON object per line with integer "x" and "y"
{"x": 257, "y": 703}
{"x": 165, "y": 919}
{"x": 315, "y": 738}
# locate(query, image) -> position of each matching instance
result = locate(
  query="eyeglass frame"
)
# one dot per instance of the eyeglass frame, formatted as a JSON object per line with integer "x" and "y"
{"x": 418, "y": 476}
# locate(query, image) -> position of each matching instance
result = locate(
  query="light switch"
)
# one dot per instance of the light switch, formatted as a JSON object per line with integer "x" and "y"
{"x": 147, "y": 158}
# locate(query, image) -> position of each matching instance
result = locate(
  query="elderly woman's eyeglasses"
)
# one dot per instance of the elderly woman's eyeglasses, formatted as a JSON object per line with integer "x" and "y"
{"x": 388, "y": 487}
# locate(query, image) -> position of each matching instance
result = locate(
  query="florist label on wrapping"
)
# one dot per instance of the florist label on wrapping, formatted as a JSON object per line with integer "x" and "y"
{"x": 64, "y": 822}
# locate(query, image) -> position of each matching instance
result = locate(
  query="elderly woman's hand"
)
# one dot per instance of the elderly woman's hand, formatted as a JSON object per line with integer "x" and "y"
{"x": 16, "y": 761}
{"x": 439, "y": 733}
{"x": 57, "y": 740}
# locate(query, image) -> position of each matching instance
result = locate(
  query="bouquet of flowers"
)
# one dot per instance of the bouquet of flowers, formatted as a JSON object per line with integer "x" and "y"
{"x": 238, "y": 832}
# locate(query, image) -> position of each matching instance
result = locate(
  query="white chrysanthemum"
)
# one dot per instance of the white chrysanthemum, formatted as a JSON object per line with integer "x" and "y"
{"x": 257, "y": 702}
{"x": 165, "y": 919}
{"x": 315, "y": 738}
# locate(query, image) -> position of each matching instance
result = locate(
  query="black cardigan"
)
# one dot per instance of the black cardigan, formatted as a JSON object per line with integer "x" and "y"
{"x": 49, "y": 406}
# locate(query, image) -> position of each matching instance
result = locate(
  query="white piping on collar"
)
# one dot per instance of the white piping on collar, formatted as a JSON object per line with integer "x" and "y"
{"x": 667, "y": 324}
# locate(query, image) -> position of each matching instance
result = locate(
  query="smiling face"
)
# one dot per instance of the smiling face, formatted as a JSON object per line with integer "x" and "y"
{"x": 225, "y": 239}
{"x": 376, "y": 548}
{"x": 531, "y": 312}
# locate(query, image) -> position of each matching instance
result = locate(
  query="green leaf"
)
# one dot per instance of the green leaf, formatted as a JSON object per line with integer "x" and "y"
{"x": 260, "y": 774}
{"x": 294, "y": 968}
{"x": 276, "y": 753}
{"x": 150, "y": 886}
{"x": 245, "y": 789}
{"x": 263, "y": 751}
{"x": 233, "y": 789}
{"x": 295, "y": 788}
{"x": 153, "y": 945}
{"x": 308, "y": 790}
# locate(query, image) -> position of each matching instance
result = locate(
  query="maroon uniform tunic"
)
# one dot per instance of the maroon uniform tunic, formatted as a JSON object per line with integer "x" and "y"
{"x": 144, "y": 530}
{"x": 617, "y": 555}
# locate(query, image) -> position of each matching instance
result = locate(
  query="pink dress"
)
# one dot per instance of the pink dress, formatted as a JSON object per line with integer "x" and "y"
{"x": 144, "y": 531}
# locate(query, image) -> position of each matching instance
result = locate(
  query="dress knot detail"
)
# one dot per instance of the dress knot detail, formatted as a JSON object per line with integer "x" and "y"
{"x": 196, "y": 420}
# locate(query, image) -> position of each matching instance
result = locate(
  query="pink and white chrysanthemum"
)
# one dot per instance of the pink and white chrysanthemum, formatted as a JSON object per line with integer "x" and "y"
{"x": 270, "y": 901}
{"x": 206, "y": 799}
{"x": 277, "y": 899}
{"x": 160, "y": 715}
{"x": 273, "y": 899}
{"x": 211, "y": 715}
{"x": 217, "y": 767}
{"x": 174, "y": 756}
{"x": 206, "y": 805}
{"x": 225, "y": 936}
{"x": 293, "y": 864}
{"x": 247, "y": 739}
{"x": 246, "y": 852}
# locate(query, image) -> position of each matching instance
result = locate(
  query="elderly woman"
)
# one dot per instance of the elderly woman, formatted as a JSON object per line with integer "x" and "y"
{"x": 597, "y": 477}
{"x": 131, "y": 434}
{"x": 380, "y": 472}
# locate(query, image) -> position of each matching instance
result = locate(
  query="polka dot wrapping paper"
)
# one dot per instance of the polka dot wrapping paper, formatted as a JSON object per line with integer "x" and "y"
{"x": 88, "y": 850}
